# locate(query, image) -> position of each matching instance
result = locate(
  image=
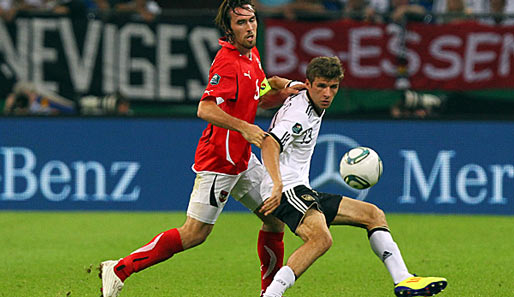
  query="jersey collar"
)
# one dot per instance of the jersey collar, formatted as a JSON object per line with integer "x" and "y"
{"x": 318, "y": 112}
{"x": 224, "y": 43}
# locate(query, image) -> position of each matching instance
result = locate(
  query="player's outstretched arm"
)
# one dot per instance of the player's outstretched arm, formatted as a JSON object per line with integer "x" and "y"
{"x": 209, "y": 111}
{"x": 280, "y": 90}
{"x": 270, "y": 158}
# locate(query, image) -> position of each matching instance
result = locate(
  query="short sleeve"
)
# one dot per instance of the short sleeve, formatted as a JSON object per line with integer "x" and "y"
{"x": 222, "y": 82}
{"x": 291, "y": 125}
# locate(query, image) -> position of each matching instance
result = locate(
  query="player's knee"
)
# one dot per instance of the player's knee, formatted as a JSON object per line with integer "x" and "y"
{"x": 272, "y": 224}
{"x": 320, "y": 242}
{"x": 192, "y": 239}
{"x": 377, "y": 217}
{"x": 324, "y": 241}
{"x": 193, "y": 233}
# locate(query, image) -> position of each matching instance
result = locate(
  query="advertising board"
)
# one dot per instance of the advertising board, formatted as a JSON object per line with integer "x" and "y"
{"x": 145, "y": 164}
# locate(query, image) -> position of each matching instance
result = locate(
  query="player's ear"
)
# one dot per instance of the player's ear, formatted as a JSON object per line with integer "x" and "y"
{"x": 308, "y": 83}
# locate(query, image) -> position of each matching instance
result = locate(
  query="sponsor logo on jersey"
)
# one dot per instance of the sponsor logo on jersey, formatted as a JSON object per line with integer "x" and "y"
{"x": 215, "y": 79}
{"x": 297, "y": 128}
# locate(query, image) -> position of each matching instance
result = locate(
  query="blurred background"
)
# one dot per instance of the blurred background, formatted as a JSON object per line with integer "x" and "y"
{"x": 403, "y": 58}
{"x": 99, "y": 98}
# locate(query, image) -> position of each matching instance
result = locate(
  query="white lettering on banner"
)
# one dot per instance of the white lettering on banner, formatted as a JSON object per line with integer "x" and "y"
{"x": 81, "y": 69}
{"x": 474, "y": 57}
{"x": 394, "y": 47}
{"x": 464, "y": 181}
{"x": 498, "y": 173}
{"x": 110, "y": 59}
{"x": 357, "y": 51}
{"x": 118, "y": 62}
{"x": 309, "y": 42}
{"x": 81, "y": 169}
{"x": 131, "y": 169}
{"x": 506, "y": 52}
{"x": 167, "y": 62}
{"x": 280, "y": 50}
{"x": 441, "y": 166}
{"x": 57, "y": 181}
{"x": 147, "y": 62}
{"x": 129, "y": 64}
{"x": 198, "y": 38}
{"x": 18, "y": 58}
{"x": 437, "y": 50}
{"x": 42, "y": 54}
{"x": 47, "y": 178}
{"x": 24, "y": 173}
{"x": 469, "y": 178}
{"x": 310, "y": 46}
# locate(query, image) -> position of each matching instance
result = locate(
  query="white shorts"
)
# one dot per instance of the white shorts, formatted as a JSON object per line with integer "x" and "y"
{"x": 211, "y": 191}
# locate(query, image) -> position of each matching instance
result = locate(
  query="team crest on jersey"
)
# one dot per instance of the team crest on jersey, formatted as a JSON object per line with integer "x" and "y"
{"x": 223, "y": 196}
{"x": 297, "y": 128}
{"x": 307, "y": 197}
{"x": 215, "y": 79}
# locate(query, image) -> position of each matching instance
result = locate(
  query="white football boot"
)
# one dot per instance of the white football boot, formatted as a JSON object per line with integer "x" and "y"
{"x": 111, "y": 283}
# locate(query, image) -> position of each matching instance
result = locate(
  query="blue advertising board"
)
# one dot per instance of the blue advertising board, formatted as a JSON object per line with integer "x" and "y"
{"x": 145, "y": 164}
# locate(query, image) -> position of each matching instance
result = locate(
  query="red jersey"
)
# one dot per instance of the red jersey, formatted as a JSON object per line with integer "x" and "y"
{"x": 234, "y": 83}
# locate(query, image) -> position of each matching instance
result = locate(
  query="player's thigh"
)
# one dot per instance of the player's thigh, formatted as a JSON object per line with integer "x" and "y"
{"x": 209, "y": 196}
{"x": 270, "y": 223}
{"x": 359, "y": 213}
{"x": 313, "y": 226}
{"x": 247, "y": 189}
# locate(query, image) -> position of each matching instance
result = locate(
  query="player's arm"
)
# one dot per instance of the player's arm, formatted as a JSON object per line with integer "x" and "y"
{"x": 209, "y": 111}
{"x": 270, "y": 157}
{"x": 278, "y": 90}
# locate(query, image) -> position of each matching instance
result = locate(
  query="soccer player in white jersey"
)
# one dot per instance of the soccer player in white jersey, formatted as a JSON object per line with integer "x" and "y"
{"x": 286, "y": 154}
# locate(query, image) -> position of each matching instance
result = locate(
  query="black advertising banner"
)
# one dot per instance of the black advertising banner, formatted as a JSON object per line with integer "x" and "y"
{"x": 167, "y": 60}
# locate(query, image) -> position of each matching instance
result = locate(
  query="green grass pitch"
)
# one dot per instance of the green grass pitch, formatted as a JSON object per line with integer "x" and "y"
{"x": 49, "y": 254}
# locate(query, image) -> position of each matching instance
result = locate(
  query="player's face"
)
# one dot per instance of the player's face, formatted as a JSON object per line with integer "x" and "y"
{"x": 322, "y": 91}
{"x": 244, "y": 27}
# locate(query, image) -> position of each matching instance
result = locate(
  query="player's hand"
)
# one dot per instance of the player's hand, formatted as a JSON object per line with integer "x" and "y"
{"x": 253, "y": 134}
{"x": 273, "y": 201}
{"x": 292, "y": 90}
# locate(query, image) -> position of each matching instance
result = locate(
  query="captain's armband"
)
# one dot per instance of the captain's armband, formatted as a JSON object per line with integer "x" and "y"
{"x": 264, "y": 88}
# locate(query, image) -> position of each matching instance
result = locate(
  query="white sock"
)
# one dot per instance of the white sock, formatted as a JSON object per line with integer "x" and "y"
{"x": 387, "y": 250}
{"x": 283, "y": 280}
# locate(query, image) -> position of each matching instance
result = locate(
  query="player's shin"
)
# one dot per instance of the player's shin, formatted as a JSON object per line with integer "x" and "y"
{"x": 270, "y": 247}
{"x": 161, "y": 247}
{"x": 387, "y": 250}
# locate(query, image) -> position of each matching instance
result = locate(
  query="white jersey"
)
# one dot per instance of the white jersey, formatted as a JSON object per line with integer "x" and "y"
{"x": 295, "y": 126}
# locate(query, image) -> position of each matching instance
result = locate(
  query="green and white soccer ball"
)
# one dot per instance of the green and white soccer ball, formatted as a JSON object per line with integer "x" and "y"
{"x": 360, "y": 167}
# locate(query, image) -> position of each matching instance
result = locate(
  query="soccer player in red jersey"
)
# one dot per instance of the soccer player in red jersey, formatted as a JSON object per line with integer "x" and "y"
{"x": 224, "y": 163}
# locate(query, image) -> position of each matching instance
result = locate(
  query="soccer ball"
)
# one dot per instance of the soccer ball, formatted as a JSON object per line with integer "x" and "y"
{"x": 360, "y": 167}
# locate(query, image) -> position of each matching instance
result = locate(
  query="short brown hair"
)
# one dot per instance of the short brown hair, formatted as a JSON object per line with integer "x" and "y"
{"x": 222, "y": 19}
{"x": 325, "y": 67}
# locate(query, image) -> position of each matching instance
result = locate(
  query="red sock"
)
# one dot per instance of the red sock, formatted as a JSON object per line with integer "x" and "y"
{"x": 270, "y": 247}
{"x": 160, "y": 248}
